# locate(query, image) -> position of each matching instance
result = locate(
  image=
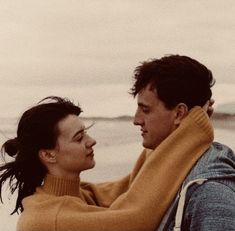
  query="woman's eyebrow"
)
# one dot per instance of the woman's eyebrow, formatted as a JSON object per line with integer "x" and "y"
{"x": 78, "y": 132}
{"x": 82, "y": 129}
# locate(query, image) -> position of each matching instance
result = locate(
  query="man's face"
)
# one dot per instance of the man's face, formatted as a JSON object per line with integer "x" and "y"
{"x": 155, "y": 120}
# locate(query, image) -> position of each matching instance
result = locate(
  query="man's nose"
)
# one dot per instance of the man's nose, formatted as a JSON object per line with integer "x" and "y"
{"x": 137, "y": 119}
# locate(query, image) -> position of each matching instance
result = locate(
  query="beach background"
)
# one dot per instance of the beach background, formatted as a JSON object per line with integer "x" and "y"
{"x": 87, "y": 51}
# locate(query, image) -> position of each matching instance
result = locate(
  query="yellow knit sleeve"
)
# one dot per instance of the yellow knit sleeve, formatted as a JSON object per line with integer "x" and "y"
{"x": 104, "y": 194}
{"x": 168, "y": 165}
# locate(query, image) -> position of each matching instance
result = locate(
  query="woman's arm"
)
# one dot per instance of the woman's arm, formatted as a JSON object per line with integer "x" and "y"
{"x": 104, "y": 194}
{"x": 143, "y": 205}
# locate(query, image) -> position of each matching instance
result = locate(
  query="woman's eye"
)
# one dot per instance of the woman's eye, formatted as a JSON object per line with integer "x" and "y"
{"x": 79, "y": 139}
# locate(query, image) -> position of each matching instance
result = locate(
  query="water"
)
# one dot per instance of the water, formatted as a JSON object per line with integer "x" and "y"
{"x": 118, "y": 146}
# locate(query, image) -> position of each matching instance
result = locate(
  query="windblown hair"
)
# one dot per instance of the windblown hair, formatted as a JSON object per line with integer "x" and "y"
{"x": 37, "y": 129}
{"x": 176, "y": 79}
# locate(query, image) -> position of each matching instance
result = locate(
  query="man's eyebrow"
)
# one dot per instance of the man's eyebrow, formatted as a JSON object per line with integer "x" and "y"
{"x": 142, "y": 105}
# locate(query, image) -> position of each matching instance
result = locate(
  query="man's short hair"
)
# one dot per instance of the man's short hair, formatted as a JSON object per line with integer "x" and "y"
{"x": 176, "y": 79}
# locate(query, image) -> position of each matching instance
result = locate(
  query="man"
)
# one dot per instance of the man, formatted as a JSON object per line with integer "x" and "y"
{"x": 166, "y": 90}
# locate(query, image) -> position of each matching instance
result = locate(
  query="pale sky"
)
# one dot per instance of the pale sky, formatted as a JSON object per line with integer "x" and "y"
{"x": 64, "y": 41}
{"x": 55, "y": 46}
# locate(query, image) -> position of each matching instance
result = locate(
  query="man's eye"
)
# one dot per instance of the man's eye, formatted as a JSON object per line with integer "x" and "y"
{"x": 145, "y": 110}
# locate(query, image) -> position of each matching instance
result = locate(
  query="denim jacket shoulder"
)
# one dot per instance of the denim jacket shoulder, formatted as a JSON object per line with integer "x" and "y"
{"x": 212, "y": 175}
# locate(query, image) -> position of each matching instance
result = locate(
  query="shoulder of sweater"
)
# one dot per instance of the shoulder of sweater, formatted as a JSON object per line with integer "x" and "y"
{"x": 41, "y": 199}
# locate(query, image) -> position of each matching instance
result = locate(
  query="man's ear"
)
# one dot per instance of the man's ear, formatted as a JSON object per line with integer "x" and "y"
{"x": 181, "y": 110}
{"x": 47, "y": 156}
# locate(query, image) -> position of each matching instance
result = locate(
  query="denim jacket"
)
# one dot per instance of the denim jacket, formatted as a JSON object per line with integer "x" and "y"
{"x": 206, "y": 201}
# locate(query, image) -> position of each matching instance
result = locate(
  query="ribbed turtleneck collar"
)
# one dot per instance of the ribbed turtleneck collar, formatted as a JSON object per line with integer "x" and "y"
{"x": 61, "y": 186}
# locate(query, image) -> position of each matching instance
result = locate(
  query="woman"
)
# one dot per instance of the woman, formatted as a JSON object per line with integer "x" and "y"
{"x": 52, "y": 148}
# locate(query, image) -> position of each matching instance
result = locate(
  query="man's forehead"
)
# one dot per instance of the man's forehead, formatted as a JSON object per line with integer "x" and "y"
{"x": 147, "y": 96}
{"x": 148, "y": 88}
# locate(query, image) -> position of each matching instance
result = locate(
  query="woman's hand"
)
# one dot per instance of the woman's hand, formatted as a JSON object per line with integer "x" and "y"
{"x": 208, "y": 107}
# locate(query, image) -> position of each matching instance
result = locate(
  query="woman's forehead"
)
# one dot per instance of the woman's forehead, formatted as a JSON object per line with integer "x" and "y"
{"x": 70, "y": 125}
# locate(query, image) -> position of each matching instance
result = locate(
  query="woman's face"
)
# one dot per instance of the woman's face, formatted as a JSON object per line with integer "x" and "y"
{"x": 74, "y": 148}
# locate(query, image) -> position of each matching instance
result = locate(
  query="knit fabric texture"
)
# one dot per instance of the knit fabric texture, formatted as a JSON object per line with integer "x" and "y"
{"x": 136, "y": 202}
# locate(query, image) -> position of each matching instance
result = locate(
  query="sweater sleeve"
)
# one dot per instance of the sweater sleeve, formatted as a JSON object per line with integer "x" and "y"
{"x": 104, "y": 194}
{"x": 143, "y": 205}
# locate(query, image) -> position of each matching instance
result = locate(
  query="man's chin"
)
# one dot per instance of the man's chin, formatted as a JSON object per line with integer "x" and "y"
{"x": 146, "y": 145}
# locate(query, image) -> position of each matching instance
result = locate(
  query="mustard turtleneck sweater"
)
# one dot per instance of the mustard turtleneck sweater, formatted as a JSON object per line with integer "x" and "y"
{"x": 135, "y": 203}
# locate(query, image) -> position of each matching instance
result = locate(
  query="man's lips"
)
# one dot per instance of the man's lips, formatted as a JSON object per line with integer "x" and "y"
{"x": 143, "y": 132}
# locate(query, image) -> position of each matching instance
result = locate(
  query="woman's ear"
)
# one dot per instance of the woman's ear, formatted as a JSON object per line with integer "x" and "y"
{"x": 181, "y": 110}
{"x": 47, "y": 156}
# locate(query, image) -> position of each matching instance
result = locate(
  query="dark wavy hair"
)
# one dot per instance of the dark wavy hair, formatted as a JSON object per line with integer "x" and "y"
{"x": 37, "y": 129}
{"x": 176, "y": 79}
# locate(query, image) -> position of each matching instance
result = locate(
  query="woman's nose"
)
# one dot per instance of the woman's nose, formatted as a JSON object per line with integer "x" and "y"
{"x": 90, "y": 142}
